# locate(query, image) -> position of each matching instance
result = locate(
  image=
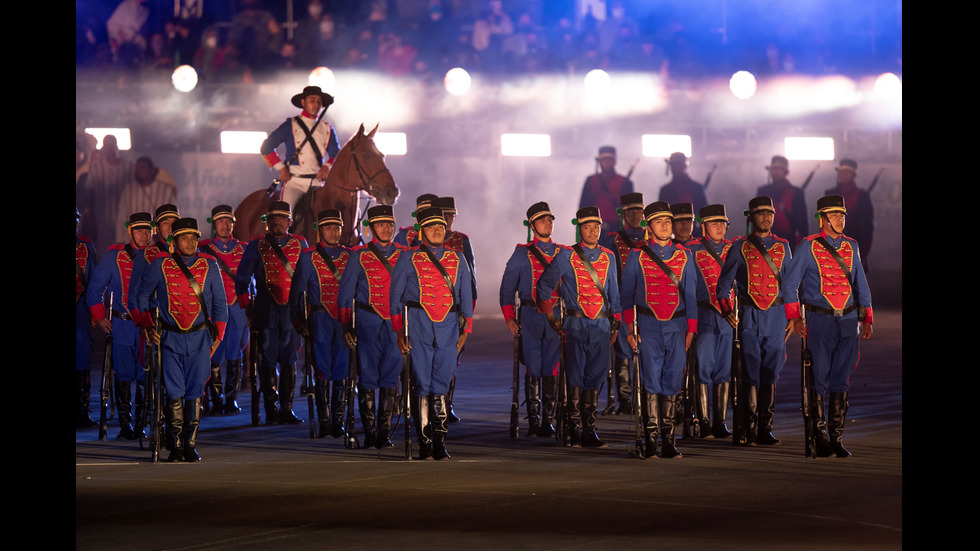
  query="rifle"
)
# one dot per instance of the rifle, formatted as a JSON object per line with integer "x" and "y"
{"x": 637, "y": 392}
{"x": 740, "y": 436}
{"x": 561, "y": 429}
{"x": 350, "y": 401}
{"x": 810, "y": 177}
{"x": 808, "y": 399}
{"x": 692, "y": 421}
{"x": 611, "y": 382}
{"x": 407, "y": 390}
{"x": 155, "y": 390}
{"x": 707, "y": 181}
{"x": 253, "y": 359}
{"x": 106, "y": 377}
{"x": 308, "y": 370}
{"x": 515, "y": 387}
{"x": 874, "y": 182}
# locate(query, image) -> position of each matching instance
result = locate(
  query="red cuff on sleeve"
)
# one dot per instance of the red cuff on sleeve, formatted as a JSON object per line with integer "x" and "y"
{"x": 629, "y": 316}
{"x": 397, "y": 323}
{"x": 244, "y": 300}
{"x": 272, "y": 159}
{"x": 692, "y": 326}
{"x": 509, "y": 312}
{"x": 220, "y": 325}
{"x": 345, "y": 316}
{"x": 792, "y": 310}
{"x": 98, "y": 312}
{"x": 469, "y": 326}
{"x": 726, "y": 304}
{"x": 868, "y": 317}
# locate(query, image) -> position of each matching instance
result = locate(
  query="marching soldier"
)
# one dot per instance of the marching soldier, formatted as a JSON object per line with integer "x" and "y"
{"x": 366, "y": 285}
{"x": 586, "y": 273}
{"x": 659, "y": 281}
{"x": 791, "y": 220}
{"x": 114, "y": 273}
{"x": 461, "y": 242}
{"x": 311, "y": 146}
{"x": 163, "y": 220}
{"x": 193, "y": 316}
{"x": 837, "y": 299}
{"x": 683, "y": 222}
{"x": 601, "y": 189}
{"x": 433, "y": 281}
{"x": 862, "y": 227}
{"x": 757, "y": 263}
{"x": 227, "y": 252}
{"x": 271, "y": 260}
{"x": 714, "y": 341}
{"x": 539, "y": 344}
{"x": 84, "y": 262}
{"x": 631, "y": 235}
{"x": 409, "y": 235}
{"x": 318, "y": 275}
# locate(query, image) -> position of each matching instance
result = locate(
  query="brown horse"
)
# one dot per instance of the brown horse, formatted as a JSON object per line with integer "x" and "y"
{"x": 359, "y": 166}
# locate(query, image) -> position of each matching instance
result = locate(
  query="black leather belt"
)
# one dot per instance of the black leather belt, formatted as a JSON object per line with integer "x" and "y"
{"x": 830, "y": 311}
{"x": 121, "y": 315}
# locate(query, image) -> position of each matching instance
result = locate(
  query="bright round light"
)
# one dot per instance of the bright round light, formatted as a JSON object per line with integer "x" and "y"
{"x": 322, "y": 77}
{"x": 457, "y": 81}
{"x": 888, "y": 87}
{"x": 742, "y": 85}
{"x": 184, "y": 78}
{"x": 597, "y": 81}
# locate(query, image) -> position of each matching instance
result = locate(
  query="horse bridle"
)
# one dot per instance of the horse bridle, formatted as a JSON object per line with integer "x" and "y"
{"x": 366, "y": 185}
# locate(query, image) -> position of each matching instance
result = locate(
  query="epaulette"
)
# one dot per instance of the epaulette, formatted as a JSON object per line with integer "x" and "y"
{"x": 118, "y": 247}
{"x": 83, "y": 239}
{"x": 206, "y": 256}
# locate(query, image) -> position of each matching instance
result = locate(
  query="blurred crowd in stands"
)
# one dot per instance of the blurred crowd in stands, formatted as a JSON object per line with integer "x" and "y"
{"x": 245, "y": 41}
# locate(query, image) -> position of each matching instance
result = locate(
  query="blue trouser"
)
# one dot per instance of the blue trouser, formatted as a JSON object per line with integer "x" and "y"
{"x": 329, "y": 347}
{"x": 379, "y": 360}
{"x": 662, "y": 356}
{"x": 833, "y": 344}
{"x": 588, "y": 352}
{"x": 186, "y": 361}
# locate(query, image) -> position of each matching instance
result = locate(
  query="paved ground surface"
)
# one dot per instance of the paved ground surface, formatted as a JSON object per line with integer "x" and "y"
{"x": 272, "y": 487}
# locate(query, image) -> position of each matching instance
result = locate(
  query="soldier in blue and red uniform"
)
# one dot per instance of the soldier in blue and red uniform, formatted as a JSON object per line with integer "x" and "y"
{"x": 837, "y": 299}
{"x": 461, "y": 242}
{"x": 84, "y": 266}
{"x": 759, "y": 278}
{"x": 193, "y": 315}
{"x": 318, "y": 275}
{"x": 659, "y": 281}
{"x": 539, "y": 344}
{"x": 163, "y": 219}
{"x": 227, "y": 252}
{"x": 433, "y": 282}
{"x": 592, "y": 313}
{"x": 715, "y": 333}
{"x": 319, "y": 146}
{"x": 271, "y": 260}
{"x": 115, "y": 273}
{"x": 631, "y": 234}
{"x": 409, "y": 235}
{"x": 683, "y": 222}
{"x": 366, "y": 285}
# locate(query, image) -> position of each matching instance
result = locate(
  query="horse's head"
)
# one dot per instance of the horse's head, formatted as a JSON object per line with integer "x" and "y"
{"x": 362, "y": 166}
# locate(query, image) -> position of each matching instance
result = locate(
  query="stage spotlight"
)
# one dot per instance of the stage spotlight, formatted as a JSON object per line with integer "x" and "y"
{"x": 597, "y": 81}
{"x": 322, "y": 77}
{"x": 457, "y": 81}
{"x": 743, "y": 85}
{"x": 391, "y": 143}
{"x": 809, "y": 149}
{"x": 662, "y": 145}
{"x": 234, "y": 141}
{"x": 888, "y": 87}
{"x": 525, "y": 145}
{"x": 122, "y": 136}
{"x": 184, "y": 78}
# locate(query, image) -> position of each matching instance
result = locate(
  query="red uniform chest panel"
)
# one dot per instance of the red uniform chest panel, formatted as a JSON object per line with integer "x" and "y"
{"x": 537, "y": 269}
{"x": 411, "y": 236}
{"x": 329, "y": 284}
{"x": 379, "y": 281}
{"x": 232, "y": 258}
{"x": 624, "y": 249}
{"x": 660, "y": 292}
{"x": 182, "y": 301}
{"x": 711, "y": 270}
{"x": 151, "y": 251}
{"x": 454, "y": 241}
{"x": 125, "y": 266}
{"x": 834, "y": 285}
{"x": 82, "y": 259}
{"x": 589, "y": 296}
{"x": 434, "y": 295}
{"x": 277, "y": 279}
{"x": 763, "y": 287}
